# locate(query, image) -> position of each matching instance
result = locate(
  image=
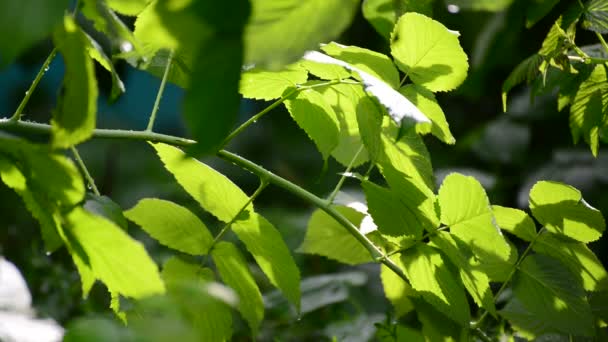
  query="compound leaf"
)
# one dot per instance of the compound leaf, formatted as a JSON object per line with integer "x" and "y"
{"x": 515, "y": 221}
{"x": 425, "y": 100}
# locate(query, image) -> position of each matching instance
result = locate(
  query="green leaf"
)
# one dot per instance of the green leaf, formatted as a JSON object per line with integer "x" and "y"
{"x": 369, "y": 120}
{"x": 326, "y": 237}
{"x": 515, "y": 221}
{"x": 434, "y": 59}
{"x": 371, "y": 62}
{"x": 437, "y": 327}
{"x": 96, "y": 53}
{"x": 382, "y": 13}
{"x": 527, "y": 324}
{"x": 325, "y": 71}
{"x": 425, "y": 100}
{"x": 345, "y": 99}
{"x": 234, "y": 271}
{"x": 280, "y": 31}
{"x": 211, "y": 189}
{"x": 172, "y": 225}
{"x": 596, "y": 16}
{"x": 105, "y": 207}
{"x": 527, "y": 71}
{"x": 537, "y": 9}
{"x": 262, "y": 84}
{"x": 396, "y": 290}
{"x": 579, "y": 259}
{"x": 270, "y": 252}
{"x": 114, "y": 257}
{"x": 466, "y": 210}
{"x": 317, "y": 118}
{"x": 551, "y": 291}
{"x": 474, "y": 279}
{"x": 588, "y": 113}
{"x": 24, "y": 23}
{"x": 430, "y": 276}
{"x": 75, "y": 116}
{"x": 482, "y": 5}
{"x": 128, "y": 7}
{"x": 395, "y": 215}
{"x": 562, "y": 210}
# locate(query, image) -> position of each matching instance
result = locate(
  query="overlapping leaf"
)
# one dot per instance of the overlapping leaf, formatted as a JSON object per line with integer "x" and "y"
{"x": 596, "y": 16}
{"x": 515, "y": 221}
{"x": 382, "y": 14}
{"x": 267, "y": 85}
{"x": 425, "y": 100}
{"x": 397, "y": 291}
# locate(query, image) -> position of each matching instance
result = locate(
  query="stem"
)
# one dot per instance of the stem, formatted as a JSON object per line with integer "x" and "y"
{"x": 159, "y": 94}
{"x": 85, "y": 171}
{"x": 376, "y": 254}
{"x": 601, "y": 38}
{"x": 226, "y": 228}
{"x": 45, "y": 66}
{"x": 334, "y": 193}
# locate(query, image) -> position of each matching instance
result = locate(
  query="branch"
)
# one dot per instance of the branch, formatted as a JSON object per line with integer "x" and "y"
{"x": 376, "y": 254}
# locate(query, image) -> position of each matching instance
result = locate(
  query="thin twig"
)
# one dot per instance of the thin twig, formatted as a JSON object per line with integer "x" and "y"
{"x": 43, "y": 69}
{"x": 334, "y": 193}
{"x": 85, "y": 171}
{"x": 159, "y": 94}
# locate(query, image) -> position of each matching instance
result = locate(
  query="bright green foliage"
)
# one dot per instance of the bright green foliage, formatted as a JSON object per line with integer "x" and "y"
{"x": 397, "y": 291}
{"x": 562, "y": 210}
{"x": 346, "y": 100}
{"x": 431, "y": 277}
{"x": 474, "y": 279}
{"x": 104, "y": 247}
{"x": 317, "y": 118}
{"x": 588, "y": 113}
{"x": 104, "y": 206}
{"x": 579, "y": 259}
{"x": 515, "y": 221}
{"x": 596, "y": 16}
{"x": 551, "y": 292}
{"x": 527, "y": 71}
{"x": 192, "y": 288}
{"x": 425, "y": 100}
{"x": 371, "y": 62}
{"x": 212, "y": 190}
{"x": 24, "y": 23}
{"x": 466, "y": 210}
{"x": 382, "y": 14}
{"x": 234, "y": 271}
{"x": 96, "y": 53}
{"x": 434, "y": 58}
{"x": 219, "y": 196}
{"x": 390, "y": 213}
{"x": 537, "y": 9}
{"x": 74, "y": 118}
{"x": 128, "y": 7}
{"x": 281, "y": 30}
{"x": 482, "y": 5}
{"x": 325, "y": 71}
{"x": 172, "y": 225}
{"x": 326, "y": 237}
{"x": 266, "y": 85}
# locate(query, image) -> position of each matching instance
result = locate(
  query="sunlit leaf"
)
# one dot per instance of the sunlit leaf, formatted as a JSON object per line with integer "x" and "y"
{"x": 105, "y": 207}
{"x": 96, "y": 52}
{"x": 396, "y": 290}
{"x": 172, "y": 225}
{"x": 74, "y": 118}
{"x": 128, "y": 7}
{"x": 482, "y": 5}
{"x": 434, "y": 58}
{"x": 326, "y": 237}
{"x": 515, "y": 221}
{"x": 382, "y": 14}
{"x": 562, "y": 210}
{"x": 425, "y": 100}
{"x": 234, "y": 271}
{"x": 267, "y": 85}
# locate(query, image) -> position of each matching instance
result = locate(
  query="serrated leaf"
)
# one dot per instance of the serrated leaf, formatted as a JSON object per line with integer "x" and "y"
{"x": 128, "y": 7}
{"x": 105, "y": 248}
{"x": 234, "y": 271}
{"x": 596, "y": 16}
{"x": 105, "y": 207}
{"x": 262, "y": 84}
{"x": 526, "y": 70}
{"x": 399, "y": 108}
{"x": 434, "y": 59}
{"x": 24, "y": 23}
{"x": 466, "y": 210}
{"x": 527, "y": 324}
{"x": 371, "y": 62}
{"x": 425, "y": 100}
{"x": 326, "y": 237}
{"x": 562, "y": 210}
{"x": 515, "y": 221}
{"x": 474, "y": 279}
{"x": 537, "y": 9}
{"x": 96, "y": 53}
{"x": 589, "y": 109}
{"x": 579, "y": 259}
{"x": 430, "y": 277}
{"x": 74, "y": 118}
{"x": 382, "y": 14}
{"x": 548, "y": 289}
{"x": 317, "y": 118}
{"x": 172, "y": 225}
{"x": 396, "y": 290}
{"x": 346, "y": 100}
{"x": 280, "y": 31}
{"x": 211, "y": 189}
